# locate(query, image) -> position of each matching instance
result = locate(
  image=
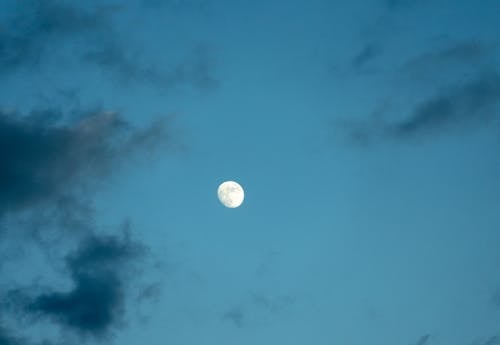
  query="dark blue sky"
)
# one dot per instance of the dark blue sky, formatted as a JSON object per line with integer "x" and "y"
{"x": 366, "y": 135}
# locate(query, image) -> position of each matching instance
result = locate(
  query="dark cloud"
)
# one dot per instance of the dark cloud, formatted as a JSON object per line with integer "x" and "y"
{"x": 99, "y": 269}
{"x": 7, "y": 339}
{"x": 463, "y": 107}
{"x": 45, "y": 159}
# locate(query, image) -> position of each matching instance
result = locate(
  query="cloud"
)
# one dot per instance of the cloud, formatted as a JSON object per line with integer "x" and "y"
{"x": 365, "y": 55}
{"x": 495, "y": 299}
{"x": 39, "y": 23}
{"x": 467, "y": 53}
{"x": 53, "y": 159}
{"x": 7, "y": 339}
{"x": 48, "y": 160}
{"x": 423, "y": 340}
{"x": 41, "y": 27}
{"x": 463, "y": 107}
{"x": 196, "y": 69}
{"x": 273, "y": 304}
{"x": 494, "y": 340}
{"x": 96, "y": 301}
{"x": 234, "y": 315}
{"x": 44, "y": 159}
{"x": 258, "y": 303}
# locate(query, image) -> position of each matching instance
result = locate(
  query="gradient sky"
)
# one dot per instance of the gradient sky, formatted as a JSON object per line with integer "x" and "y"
{"x": 366, "y": 135}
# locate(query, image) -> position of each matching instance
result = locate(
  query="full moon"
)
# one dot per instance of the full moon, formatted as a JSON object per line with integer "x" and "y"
{"x": 230, "y": 194}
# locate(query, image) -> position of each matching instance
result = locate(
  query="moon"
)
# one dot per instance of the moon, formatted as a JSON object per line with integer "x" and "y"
{"x": 230, "y": 194}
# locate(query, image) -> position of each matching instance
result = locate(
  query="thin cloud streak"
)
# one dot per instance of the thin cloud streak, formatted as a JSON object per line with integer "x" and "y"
{"x": 463, "y": 108}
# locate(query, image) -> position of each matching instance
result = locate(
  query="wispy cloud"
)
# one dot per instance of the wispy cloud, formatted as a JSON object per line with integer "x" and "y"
{"x": 423, "y": 340}
{"x": 38, "y": 24}
{"x": 367, "y": 54}
{"x": 42, "y": 27}
{"x": 235, "y": 315}
{"x": 463, "y": 107}
{"x": 470, "y": 54}
{"x": 257, "y": 303}
{"x": 196, "y": 69}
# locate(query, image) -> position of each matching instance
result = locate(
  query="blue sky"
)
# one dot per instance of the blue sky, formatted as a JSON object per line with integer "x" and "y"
{"x": 365, "y": 135}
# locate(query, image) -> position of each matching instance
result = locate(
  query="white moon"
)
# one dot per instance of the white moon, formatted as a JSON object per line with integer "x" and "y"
{"x": 230, "y": 194}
